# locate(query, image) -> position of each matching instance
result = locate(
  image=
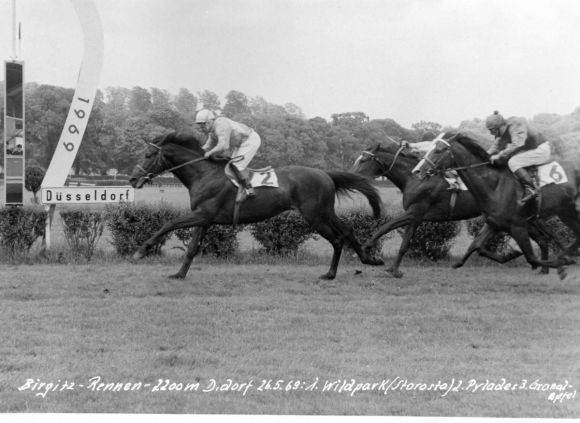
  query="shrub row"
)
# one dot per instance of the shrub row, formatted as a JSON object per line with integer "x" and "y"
{"x": 130, "y": 225}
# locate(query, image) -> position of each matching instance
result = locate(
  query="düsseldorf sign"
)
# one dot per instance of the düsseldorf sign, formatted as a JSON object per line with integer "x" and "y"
{"x": 86, "y": 195}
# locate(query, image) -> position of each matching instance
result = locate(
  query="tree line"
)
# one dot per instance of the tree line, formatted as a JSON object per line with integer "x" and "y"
{"x": 123, "y": 120}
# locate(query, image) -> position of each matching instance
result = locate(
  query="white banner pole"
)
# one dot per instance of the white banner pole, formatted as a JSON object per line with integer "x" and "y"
{"x": 82, "y": 102}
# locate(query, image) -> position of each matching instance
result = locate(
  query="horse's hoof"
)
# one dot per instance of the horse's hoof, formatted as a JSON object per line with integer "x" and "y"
{"x": 562, "y": 273}
{"x": 396, "y": 273}
{"x": 139, "y": 254}
{"x": 374, "y": 261}
{"x": 368, "y": 248}
{"x": 568, "y": 260}
{"x": 456, "y": 265}
{"x": 544, "y": 271}
{"x": 177, "y": 276}
{"x": 327, "y": 277}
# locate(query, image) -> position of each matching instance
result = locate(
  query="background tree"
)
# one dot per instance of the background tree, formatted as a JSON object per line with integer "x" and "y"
{"x": 46, "y": 110}
{"x": 236, "y": 105}
{"x": 186, "y": 104}
{"x": 426, "y": 131}
{"x": 139, "y": 101}
{"x": 209, "y": 100}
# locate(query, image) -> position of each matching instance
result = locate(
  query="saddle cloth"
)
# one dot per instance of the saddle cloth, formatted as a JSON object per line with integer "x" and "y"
{"x": 264, "y": 177}
{"x": 548, "y": 173}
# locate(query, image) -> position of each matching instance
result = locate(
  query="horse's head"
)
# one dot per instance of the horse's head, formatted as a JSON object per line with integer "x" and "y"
{"x": 153, "y": 165}
{"x": 456, "y": 149}
{"x": 379, "y": 159}
{"x": 437, "y": 158}
{"x": 367, "y": 163}
{"x": 167, "y": 153}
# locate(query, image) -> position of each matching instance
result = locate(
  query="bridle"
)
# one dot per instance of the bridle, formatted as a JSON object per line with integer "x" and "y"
{"x": 402, "y": 146}
{"x": 148, "y": 176}
{"x": 433, "y": 170}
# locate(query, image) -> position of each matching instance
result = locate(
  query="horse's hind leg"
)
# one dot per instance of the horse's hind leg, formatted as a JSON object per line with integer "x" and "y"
{"x": 327, "y": 230}
{"x": 346, "y": 233}
{"x": 192, "y": 250}
{"x": 571, "y": 219}
{"x": 521, "y": 236}
{"x": 485, "y": 233}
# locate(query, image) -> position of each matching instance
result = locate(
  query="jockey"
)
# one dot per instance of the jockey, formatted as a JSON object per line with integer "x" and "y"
{"x": 232, "y": 138}
{"x": 521, "y": 145}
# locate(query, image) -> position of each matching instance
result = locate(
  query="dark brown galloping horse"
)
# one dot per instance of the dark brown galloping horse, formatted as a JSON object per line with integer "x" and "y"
{"x": 212, "y": 197}
{"x": 497, "y": 192}
{"x": 423, "y": 200}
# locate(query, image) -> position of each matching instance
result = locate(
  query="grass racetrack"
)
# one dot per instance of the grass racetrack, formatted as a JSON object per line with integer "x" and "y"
{"x": 129, "y": 325}
{"x": 257, "y": 335}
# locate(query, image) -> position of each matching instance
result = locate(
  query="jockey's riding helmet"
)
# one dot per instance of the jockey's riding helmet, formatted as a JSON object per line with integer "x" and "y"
{"x": 494, "y": 121}
{"x": 204, "y": 116}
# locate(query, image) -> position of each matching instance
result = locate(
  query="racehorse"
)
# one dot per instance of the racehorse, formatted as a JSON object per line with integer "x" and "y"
{"x": 497, "y": 191}
{"x": 212, "y": 197}
{"x": 427, "y": 200}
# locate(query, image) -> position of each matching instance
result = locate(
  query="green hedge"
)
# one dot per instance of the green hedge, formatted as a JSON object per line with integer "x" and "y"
{"x": 282, "y": 234}
{"x": 433, "y": 240}
{"x": 82, "y": 230}
{"x": 220, "y": 240}
{"x": 20, "y": 227}
{"x": 364, "y": 226}
{"x": 133, "y": 224}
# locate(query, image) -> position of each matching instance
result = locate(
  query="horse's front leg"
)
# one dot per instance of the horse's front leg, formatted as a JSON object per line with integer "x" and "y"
{"x": 195, "y": 219}
{"x": 406, "y": 219}
{"x": 485, "y": 233}
{"x": 192, "y": 250}
{"x": 409, "y": 232}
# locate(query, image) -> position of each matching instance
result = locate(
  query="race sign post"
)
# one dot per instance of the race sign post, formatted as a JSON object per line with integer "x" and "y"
{"x": 77, "y": 119}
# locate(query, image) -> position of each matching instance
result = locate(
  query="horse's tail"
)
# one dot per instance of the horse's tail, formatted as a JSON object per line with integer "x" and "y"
{"x": 344, "y": 182}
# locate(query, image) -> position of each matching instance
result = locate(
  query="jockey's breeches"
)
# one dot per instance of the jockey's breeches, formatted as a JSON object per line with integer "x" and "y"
{"x": 537, "y": 156}
{"x": 248, "y": 150}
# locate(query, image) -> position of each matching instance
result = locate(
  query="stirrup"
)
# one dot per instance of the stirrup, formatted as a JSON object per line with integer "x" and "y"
{"x": 529, "y": 195}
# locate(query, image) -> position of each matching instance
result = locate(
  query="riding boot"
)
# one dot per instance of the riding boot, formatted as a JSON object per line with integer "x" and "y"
{"x": 247, "y": 186}
{"x": 244, "y": 181}
{"x": 529, "y": 187}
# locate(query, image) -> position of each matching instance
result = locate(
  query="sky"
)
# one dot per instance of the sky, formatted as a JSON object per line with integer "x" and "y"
{"x": 409, "y": 60}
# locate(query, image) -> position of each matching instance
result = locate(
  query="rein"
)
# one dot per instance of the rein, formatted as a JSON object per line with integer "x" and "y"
{"x": 434, "y": 165}
{"x": 470, "y": 166}
{"x": 149, "y": 176}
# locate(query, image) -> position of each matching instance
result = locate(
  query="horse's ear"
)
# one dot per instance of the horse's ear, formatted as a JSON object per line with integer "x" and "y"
{"x": 167, "y": 138}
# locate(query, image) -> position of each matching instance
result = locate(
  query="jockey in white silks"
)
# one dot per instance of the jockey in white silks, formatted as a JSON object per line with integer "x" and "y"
{"x": 232, "y": 138}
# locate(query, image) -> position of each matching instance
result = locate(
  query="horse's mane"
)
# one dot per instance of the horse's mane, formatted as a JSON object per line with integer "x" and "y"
{"x": 392, "y": 149}
{"x": 473, "y": 146}
{"x": 189, "y": 140}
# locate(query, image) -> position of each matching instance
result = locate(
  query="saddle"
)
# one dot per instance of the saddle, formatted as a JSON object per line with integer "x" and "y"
{"x": 262, "y": 177}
